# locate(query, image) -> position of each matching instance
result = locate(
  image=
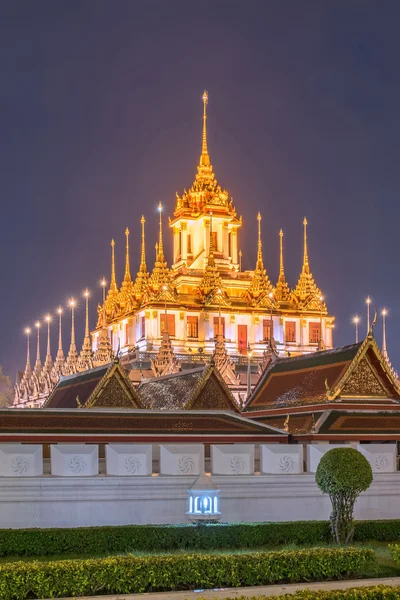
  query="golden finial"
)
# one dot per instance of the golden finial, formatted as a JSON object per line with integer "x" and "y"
{"x": 305, "y": 257}
{"x": 205, "y": 159}
{"x": 281, "y": 268}
{"x": 113, "y": 282}
{"x": 259, "y": 245}
{"x": 143, "y": 268}
{"x": 127, "y": 276}
{"x": 86, "y": 295}
{"x": 160, "y": 239}
{"x": 37, "y": 325}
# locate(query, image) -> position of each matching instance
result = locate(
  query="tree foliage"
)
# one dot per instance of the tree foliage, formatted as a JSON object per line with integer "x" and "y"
{"x": 343, "y": 473}
{"x": 6, "y": 390}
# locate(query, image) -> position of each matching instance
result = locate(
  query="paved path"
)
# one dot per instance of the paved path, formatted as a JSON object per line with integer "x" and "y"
{"x": 270, "y": 590}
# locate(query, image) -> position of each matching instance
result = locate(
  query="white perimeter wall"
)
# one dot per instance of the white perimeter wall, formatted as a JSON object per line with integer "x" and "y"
{"x": 105, "y": 500}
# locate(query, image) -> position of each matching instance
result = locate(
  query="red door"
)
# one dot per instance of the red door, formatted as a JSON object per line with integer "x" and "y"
{"x": 242, "y": 339}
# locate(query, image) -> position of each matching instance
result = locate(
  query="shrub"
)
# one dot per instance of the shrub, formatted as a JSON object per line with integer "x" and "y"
{"x": 165, "y": 538}
{"x": 362, "y": 593}
{"x": 395, "y": 550}
{"x": 129, "y": 574}
{"x": 343, "y": 473}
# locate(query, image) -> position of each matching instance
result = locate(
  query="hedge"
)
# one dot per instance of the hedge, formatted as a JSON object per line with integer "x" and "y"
{"x": 363, "y": 593}
{"x": 395, "y": 550}
{"x": 165, "y": 538}
{"x": 130, "y": 574}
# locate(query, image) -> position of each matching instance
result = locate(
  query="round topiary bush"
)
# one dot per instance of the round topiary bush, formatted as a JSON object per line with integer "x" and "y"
{"x": 343, "y": 473}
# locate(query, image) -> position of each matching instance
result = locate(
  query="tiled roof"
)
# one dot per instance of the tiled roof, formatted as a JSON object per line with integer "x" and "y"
{"x": 346, "y": 422}
{"x": 112, "y": 422}
{"x": 79, "y": 385}
{"x": 171, "y": 392}
{"x": 301, "y": 379}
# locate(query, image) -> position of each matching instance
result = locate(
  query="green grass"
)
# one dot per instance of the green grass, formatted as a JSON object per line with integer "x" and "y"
{"x": 386, "y": 566}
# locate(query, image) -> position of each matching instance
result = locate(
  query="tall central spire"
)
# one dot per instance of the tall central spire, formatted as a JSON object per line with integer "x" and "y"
{"x": 281, "y": 267}
{"x": 306, "y": 266}
{"x": 282, "y": 292}
{"x": 38, "y": 363}
{"x": 127, "y": 276}
{"x": 113, "y": 282}
{"x": 204, "y": 159}
{"x": 143, "y": 267}
{"x": 260, "y": 262}
{"x": 160, "y": 250}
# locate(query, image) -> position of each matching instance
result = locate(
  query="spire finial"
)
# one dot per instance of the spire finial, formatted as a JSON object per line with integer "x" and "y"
{"x": 260, "y": 265}
{"x": 72, "y": 304}
{"x": 204, "y": 159}
{"x": 384, "y": 313}
{"x": 48, "y": 321}
{"x": 60, "y": 348}
{"x": 127, "y": 276}
{"x": 143, "y": 268}
{"x": 281, "y": 267}
{"x": 28, "y": 354}
{"x": 86, "y": 295}
{"x": 305, "y": 257}
{"x": 160, "y": 238}
{"x": 37, "y": 325}
{"x": 113, "y": 282}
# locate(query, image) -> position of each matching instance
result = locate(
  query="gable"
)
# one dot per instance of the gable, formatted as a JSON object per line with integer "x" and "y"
{"x": 213, "y": 396}
{"x": 364, "y": 381}
{"x": 114, "y": 394}
{"x": 80, "y": 386}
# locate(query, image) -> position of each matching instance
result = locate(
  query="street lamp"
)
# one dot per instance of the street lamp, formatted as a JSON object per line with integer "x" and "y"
{"x": 249, "y": 355}
{"x": 103, "y": 284}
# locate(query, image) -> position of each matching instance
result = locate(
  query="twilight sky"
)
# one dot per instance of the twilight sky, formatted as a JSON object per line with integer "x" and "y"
{"x": 100, "y": 119}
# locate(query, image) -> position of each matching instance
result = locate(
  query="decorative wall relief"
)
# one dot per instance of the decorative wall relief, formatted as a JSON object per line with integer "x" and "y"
{"x": 129, "y": 460}
{"x": 281, "y": 459}
{"x": 182, "y": 459}
{"x": 74, "y": 460}
{"x": 381, "y": 457}
{"x": 19, "y": 465}
{"x": 21, "y": 460}
{"x": 232, "y": 459}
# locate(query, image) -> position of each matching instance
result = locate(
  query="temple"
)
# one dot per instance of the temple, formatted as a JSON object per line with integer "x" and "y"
{"x": 201, "y": 309}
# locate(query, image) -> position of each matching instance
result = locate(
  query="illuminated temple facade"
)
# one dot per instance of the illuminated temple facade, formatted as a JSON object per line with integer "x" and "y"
{"x": 200, "y": 308}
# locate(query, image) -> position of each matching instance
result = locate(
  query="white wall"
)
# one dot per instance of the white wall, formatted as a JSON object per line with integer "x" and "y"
{"x": 82, "y": 501}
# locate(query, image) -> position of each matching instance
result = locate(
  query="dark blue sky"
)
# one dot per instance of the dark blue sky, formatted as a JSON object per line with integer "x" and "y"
{"x": 100, "y": 119}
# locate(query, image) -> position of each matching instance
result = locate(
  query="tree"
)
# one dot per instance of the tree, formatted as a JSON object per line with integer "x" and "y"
{"x": 6, "y": 390}
{"x": 343, "y": 473}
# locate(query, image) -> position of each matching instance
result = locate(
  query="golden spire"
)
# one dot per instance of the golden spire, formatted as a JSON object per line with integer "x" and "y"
{"x": 28, "y": 354}
{"x": 282, "y": 291}
{"x": 160, "y": 250}
{"x": 306, "y": 266}
{"x": 113, "y": 282}
{"x": 60, "y": 352}
{"x": 281, "y": 268}
{"x": 204, "y": 159}
{"x": 260, "y": 264}
{"x": 38, "y": 363}
{"x": 306, "y": 287}
{"x": 143, "y": 268}
{"x": 127, "y": 276}
{"x": 48, "y": 363}
{"x": 86, "y": 354}
{"x": 72, "y": 358}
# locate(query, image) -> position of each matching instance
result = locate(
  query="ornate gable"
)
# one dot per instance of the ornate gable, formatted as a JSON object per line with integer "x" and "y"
{"x": 212, "y": 396}
{"x": 364, "y": 381}
{"x": 113, "y": 391}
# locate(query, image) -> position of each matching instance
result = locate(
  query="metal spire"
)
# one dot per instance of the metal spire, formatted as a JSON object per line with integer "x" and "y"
{"x": 204, "y": 159}
{"x": 306, "y": 266}
{"x": 28, "y": 368}
{"x": 38, "y": 362}
{"x": 143, "y": 268}
{"x": 113, "y": 282}
{"x": 260, "y": 264}
{"x": 127, "y": 276}
{"x": 160, "y": 249}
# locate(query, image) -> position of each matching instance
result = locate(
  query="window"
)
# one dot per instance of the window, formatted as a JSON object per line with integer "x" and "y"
{"x": 267, "y": 333}
{"x": 126, "y": 334}
{"x": 192, "y": 327}
{"x": 215, "y": 240}
{"x": 216, "y": 326}
{"x": 290, "y": 331}
{"x": 314, "y": 333}
{"x": 189, "y": 244}
{"x": 170, "y": 324}
{"x": 142, "y": 326}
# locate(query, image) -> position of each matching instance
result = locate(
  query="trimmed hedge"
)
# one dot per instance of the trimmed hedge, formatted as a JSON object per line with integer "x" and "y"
{"x": 395, "y": 550}
{"x": 380, "y": 592}
{"x": 165, "y": 538}
{"x": 129, "y": 574}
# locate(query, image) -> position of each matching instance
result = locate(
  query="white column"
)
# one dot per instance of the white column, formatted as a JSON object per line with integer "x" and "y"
{"x": 234, "y": 246}
{"x": 184, "y": 241}
{"x": 176, "y": 243}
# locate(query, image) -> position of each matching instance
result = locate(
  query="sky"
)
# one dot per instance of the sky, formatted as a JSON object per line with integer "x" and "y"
{"x": 100, "y": 120}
